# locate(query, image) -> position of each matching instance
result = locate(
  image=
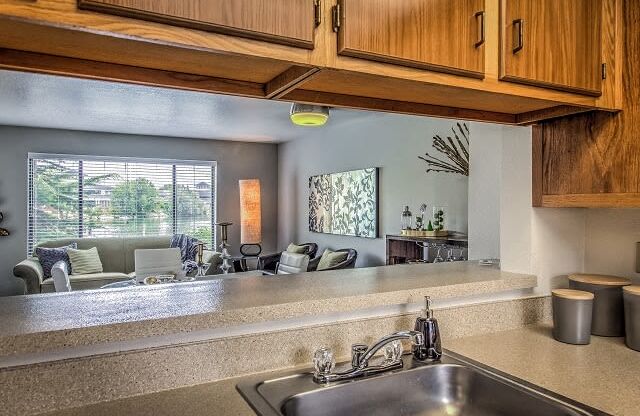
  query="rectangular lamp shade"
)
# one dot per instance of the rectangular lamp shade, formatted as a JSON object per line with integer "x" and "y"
{"x": 250, "y": 212}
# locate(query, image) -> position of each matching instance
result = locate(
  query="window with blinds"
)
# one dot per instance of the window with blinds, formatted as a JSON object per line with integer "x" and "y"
{"x": 86, "y": 196}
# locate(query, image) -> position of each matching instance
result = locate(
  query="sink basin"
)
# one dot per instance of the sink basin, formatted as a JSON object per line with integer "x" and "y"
{"x": 455, "y": 386}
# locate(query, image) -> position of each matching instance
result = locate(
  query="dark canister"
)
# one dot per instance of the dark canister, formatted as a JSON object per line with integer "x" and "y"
{"x": 608, "y": 310}
{"x": 631, "y": 296}
{"x": 572, "y": 312}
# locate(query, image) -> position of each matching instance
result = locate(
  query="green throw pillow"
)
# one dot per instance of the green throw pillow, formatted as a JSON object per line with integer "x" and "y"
{"x": 331, "y": 258}
{"x": 85, "y": 261}
{"x": 296, "y": 249}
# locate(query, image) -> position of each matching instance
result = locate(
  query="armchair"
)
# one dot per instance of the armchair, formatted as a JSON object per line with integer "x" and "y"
{"x": 269, "y": 262}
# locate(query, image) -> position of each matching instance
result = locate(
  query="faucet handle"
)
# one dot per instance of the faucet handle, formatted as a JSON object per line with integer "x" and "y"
{"x": 323, "y": 361}
{"x": 357, "y": 352}
{"x": 393, "y": 351}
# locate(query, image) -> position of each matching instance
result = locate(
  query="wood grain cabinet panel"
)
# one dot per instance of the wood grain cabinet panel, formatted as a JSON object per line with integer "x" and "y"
{"x": 593, "y": 159}
{"x": 439, "y": 35}
{"x": 552, "y": 43}
{"x": 288, "y": 22}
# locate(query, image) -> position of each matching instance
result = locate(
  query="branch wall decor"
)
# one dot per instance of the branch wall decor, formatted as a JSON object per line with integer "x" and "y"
{"x": 456, "y": 152}
{"x": 3, "y": 231}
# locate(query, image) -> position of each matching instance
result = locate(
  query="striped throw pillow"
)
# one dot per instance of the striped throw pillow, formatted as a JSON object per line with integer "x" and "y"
{"x": 85, "y": 261}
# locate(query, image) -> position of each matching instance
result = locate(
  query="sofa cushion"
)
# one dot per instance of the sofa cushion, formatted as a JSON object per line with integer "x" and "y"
{"x": 87, "y": 281}
{"x": 85, "y": 261}
{"x": 89, "y": 277}
{"x": 331, "y": 258}
{"x": 50, "y": 256}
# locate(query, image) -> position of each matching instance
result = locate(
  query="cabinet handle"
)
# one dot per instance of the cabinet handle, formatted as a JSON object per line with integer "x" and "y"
{"x": 480, "y": 19}
{"x": 518, "y": 35}
{"x": 317, "y": 12}
{"x": 336, "y": 16}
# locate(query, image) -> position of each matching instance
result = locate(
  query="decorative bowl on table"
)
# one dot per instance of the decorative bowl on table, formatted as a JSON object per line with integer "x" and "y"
{"x": 159, "y": 279}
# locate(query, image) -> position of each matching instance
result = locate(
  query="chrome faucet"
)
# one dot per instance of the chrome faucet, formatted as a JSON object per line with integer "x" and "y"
{"x": 324, "y": 362}
{"x": 425, "y": 342}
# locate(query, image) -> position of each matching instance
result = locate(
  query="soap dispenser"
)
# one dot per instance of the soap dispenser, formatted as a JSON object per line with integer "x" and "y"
{"x": 430, "y": 349}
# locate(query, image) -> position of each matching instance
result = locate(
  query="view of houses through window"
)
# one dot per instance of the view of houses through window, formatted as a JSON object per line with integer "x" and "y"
{"x": 84, "y": 196}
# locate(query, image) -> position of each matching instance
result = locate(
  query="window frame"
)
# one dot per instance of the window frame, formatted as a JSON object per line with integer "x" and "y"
{"x": 32, "y": 156}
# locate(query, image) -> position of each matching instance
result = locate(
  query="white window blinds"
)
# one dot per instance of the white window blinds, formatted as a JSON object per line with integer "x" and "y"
{"x": 85, "y": 196}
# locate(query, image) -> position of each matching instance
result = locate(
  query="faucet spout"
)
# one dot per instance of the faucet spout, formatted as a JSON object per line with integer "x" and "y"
{"x": 416, "y": 339}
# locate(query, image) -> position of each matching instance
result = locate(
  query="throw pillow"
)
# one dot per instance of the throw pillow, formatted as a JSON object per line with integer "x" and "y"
{"x": 296, "y": 249}
{"x": 85, "y": 261}
{"x": 331, "y": 258}
{"x": 50, "y": 256}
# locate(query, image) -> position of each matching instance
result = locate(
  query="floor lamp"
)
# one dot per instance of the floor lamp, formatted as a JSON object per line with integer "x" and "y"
{"x": 250, "y": 218}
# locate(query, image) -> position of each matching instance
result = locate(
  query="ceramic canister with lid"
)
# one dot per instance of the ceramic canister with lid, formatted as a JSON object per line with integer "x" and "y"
{"x": 631, "y": 296}
{"x": 608, "y": 310}
{"x": 572, "y": 311}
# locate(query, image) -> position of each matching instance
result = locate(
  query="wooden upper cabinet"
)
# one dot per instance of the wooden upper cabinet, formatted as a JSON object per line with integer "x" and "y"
{"x": 552, "y": 43}
{"x": 439, "y": 35}
{"x": 288, "y": 22}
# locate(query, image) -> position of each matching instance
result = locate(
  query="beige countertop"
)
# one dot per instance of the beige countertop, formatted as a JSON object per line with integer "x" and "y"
{"x": 212, "y": 399}
{"x": 31, "y": 324}
{"x": 603, "y": 375}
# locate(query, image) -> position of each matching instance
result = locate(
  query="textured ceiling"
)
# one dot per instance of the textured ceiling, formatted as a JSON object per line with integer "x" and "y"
{"x": 48, "y": 101}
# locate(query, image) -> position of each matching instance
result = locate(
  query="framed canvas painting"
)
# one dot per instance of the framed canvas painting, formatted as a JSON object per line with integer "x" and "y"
{"x": 345, "y": 203}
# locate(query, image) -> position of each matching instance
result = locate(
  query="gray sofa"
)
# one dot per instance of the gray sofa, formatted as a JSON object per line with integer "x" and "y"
{"x": 116, "y": 255}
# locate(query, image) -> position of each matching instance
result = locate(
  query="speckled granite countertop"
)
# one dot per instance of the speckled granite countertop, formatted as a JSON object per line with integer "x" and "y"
{"x": 87, "y": 317}
{"x": 603, "y": 375}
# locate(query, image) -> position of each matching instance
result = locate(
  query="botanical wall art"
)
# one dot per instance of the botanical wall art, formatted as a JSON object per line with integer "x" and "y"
{"x": 345, "y": 203}
{"x": 454, "y": 154}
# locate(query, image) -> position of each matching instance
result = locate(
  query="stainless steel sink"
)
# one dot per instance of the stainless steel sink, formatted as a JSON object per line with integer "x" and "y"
{"x": 454, "y": 386}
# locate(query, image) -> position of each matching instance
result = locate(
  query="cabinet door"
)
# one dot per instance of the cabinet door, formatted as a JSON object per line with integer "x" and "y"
{"x": 439, "y": 35}
{"x": 552, "y": 43}
{"x": 289, "y": 22}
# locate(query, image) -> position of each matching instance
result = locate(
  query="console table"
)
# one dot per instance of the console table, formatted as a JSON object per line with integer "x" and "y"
{"x": 404, "y": 249}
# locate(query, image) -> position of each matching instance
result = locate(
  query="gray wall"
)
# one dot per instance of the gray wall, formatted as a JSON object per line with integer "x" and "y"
{"x": 485, "y": 180}
{"x": 235, "y": 161}
{"x": 389, "y": 141}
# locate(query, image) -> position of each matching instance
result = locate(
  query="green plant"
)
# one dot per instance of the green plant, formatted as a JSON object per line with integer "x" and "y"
{"x": 438, "y": 220}
{"x": 419, "y": 222}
